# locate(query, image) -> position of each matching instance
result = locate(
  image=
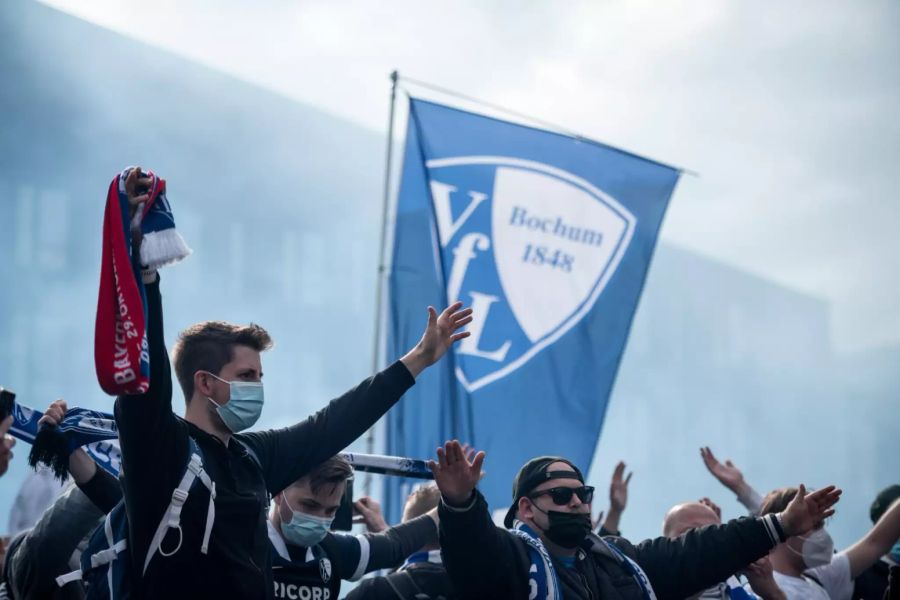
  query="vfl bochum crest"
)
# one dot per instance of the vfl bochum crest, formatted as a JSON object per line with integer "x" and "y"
{"x": 549, "y": 238}
{"x": 529, "y": 247}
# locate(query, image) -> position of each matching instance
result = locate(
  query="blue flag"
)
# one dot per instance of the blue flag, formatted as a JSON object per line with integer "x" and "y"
{"x": 548, "y": 238}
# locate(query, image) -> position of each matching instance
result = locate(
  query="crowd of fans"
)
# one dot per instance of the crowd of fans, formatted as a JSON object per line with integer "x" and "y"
{"x": 204, "y": 509}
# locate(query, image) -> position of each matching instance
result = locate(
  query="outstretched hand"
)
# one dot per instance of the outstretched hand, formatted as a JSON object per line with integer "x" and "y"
{"x": 727, "y": 474}
{"x": 455, "y": 475}
{"x": 441, "y": 332}
{"x": 618, "y": 489}
{"x": 807, "y": 510}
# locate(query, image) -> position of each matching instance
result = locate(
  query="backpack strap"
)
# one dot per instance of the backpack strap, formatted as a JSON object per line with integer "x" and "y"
{"x": 172, "y": 517}
{"x": 405, "y": 586}
{"x": 814, "y": 579}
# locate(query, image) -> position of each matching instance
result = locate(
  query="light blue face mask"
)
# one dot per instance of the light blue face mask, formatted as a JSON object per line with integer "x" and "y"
{"x": 245, "y": 404}
{"x": 303, "y": 529}
{"x": 895, "y": 553}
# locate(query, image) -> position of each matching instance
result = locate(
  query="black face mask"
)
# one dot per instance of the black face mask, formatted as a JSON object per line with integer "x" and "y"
{"x": 567, "y": 529}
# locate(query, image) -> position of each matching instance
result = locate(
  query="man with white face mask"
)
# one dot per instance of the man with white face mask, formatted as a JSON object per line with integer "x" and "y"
{"x": 310, "y": 560}
{"x": 806, "y": 567}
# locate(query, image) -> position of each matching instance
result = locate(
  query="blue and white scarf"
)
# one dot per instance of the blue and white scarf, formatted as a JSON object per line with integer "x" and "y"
{"x": 94, "y": 430}
{"x": 542, "y": 579}
{"x": 431, "y": 556}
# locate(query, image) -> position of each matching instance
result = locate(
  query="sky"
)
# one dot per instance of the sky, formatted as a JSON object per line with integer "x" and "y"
{"x": 787, "y": 111}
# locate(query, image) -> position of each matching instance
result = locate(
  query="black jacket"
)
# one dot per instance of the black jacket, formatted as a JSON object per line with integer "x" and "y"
{"x": 154, "y": 453}
{"x": 485, "y": 561}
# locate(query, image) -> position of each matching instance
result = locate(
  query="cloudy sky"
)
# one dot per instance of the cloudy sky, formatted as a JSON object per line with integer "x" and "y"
{"x": 787, "y": 110}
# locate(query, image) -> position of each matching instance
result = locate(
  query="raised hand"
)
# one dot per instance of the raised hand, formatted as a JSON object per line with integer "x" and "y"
{"x": 808, "y": 510}
{"x": 712, "y": 506}
{"x": 618, "y": 498}
{"x": 728, "y": 474}
{"x": 455, "y": 475}
{"x": 368, "y": 511}
{"x": 6, "y": 444}
{"x": 618, "y": 489}
{"x": 55, "y": 413}
{"x": 137, "y": 187}
{"x": 441, "y": 332}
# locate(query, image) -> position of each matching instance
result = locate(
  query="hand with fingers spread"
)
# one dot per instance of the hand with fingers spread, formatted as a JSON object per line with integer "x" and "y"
{"x": 6, "y": 444}
{"x": 455, "y": 475}
{"x": 441, "y": 332}
{"x": 618, "y": 489}
{"x": 727, "y": 474}
{"x": 806, "y": 511}
{"x": 368, "y": 511}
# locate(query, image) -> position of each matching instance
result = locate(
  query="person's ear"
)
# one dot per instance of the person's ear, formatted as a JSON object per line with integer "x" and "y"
{"x": 203, "y": 383}
{"x": 525, "y": 508}
{"x": 278, "y": 498}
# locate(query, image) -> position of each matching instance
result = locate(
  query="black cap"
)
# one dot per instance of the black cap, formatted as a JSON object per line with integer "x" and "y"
{"x": 883, "y": 501}
{"x": 534, "y": 473}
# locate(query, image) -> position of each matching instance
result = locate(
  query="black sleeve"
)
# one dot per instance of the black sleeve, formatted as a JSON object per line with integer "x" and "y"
{"x": 680, "y": 567}
{"x": 43, "y": 553}
{"x": 604, "y": 532}
{"x": 103, "y": 490}
{"x": 390, "y": 548}
{"x": 154, "y": 442}
{"x": 287, "y": 454}
{"x": 481, "y": 559}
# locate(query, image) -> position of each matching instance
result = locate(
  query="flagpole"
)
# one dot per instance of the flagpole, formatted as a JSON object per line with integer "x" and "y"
{"x": 379, "y": 284}
{"x": 536, "y": 120}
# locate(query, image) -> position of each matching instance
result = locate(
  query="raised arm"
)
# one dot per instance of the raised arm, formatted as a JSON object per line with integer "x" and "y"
{"x": 732, "y": 478}
{"x": 703, "y": 557}
{"x": 288, "y": 454}
{"x": 478, "y": 556}
{"x": 618, "y": 499}
{"x": 875, "y": 544}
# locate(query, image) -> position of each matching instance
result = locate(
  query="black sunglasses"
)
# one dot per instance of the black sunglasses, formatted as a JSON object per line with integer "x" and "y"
{"x": 563, "y": 495}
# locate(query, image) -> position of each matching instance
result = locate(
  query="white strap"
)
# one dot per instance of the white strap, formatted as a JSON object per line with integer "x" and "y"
{"x": 68, "y": 578}
{"x": 172, "y": 517}
{"x": 107, "y": 556}
{"x": 110, "y": 541}
{"x": 210, "y": 515}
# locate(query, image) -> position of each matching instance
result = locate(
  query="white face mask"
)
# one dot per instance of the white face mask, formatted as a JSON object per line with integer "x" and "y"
{"x": 817, "y": 550}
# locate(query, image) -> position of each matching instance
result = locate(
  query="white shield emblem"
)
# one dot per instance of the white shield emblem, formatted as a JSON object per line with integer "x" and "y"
{"x": 325, "y": 570}
{"x": 531, "y": 247}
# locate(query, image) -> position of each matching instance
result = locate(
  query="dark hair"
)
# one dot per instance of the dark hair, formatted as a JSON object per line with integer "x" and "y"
{"x": 333, "y": 471}
{"x": 777, "y": 501}
{"x": 421, "y": 500}
{"x": 209, "y": 346}
{"x": 883, "y": 501}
